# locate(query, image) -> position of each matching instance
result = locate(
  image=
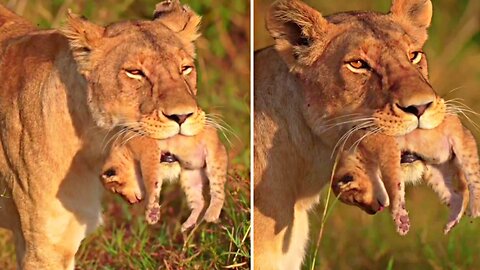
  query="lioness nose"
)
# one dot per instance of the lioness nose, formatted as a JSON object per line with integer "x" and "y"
{"x": 416, "y": 110}
{"x": 179, "y": 118}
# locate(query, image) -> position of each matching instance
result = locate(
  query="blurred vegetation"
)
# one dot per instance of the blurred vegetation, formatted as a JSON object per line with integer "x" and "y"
{"x": 354, "y": 240}
{"x": 125, "y": 241}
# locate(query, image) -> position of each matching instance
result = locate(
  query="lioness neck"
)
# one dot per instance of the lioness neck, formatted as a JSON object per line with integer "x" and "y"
{"x": 286, "y": 141}
{"x": 44, "y": 107}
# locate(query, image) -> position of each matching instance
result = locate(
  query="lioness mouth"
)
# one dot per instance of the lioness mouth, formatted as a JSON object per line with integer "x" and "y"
{"x": 168, "y": 157}
{"x": 409, "y": 157}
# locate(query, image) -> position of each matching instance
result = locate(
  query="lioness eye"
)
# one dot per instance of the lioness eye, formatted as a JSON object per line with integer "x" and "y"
{"x": 135, "y": 74}
{"x": 187, "y": 70}
{"x": 358, "y": 66}
{"x": 415, "y": 57}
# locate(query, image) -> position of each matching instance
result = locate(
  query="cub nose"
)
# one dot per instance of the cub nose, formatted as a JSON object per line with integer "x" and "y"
{"x": 416, "y": 110}
{"x": 179, "y": 118}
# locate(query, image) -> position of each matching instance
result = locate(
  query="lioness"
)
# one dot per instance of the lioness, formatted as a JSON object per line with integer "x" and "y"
{"x": 324, "y": 75}
{"x": 61, "y": 92}
{"x": 449, "y": 152}
{"x": 195, "y": 159}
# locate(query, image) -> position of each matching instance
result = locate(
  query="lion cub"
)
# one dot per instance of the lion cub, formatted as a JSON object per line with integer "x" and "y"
{"x": 193, "y": 159}
{"x": 446, "y": 152}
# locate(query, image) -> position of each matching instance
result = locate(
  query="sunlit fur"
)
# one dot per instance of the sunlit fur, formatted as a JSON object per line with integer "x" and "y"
{"x": 63, "y": 95}
{"x": 308, "y": 102}
{"x": 134, "y": 163}
{"x": 450, "y": 165}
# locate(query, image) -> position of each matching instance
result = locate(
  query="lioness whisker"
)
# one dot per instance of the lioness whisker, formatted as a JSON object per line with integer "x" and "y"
{"x": 453, "y": 90}
{"x": 347, "y": 135}
{"x": 221, "y": 129}
{"x": 368, "y": 133}
{"x": 135, "y": 135}
{"x": 120, "y": 134}
{"x": 113, "y": 137}
{"x": 352, "y": 121}
{"x": 462, "y": 106}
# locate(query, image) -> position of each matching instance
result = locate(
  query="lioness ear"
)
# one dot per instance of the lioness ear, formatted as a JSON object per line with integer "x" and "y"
{"x": 83, "y": 37}
{"x": 416, "y": 12}
{"x": 180, "y": 19}
{"x": 300, "y": 32}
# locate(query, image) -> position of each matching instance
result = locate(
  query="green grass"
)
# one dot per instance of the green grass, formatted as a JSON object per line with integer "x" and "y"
{"x": 355, "y": 240}
{"x": 125, "y": 241}
{"x": 351, "y": 238}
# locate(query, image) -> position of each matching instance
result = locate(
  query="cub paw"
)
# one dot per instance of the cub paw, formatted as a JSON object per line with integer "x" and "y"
{"x": 450, "y": 225}
{"x": 187, "y": 225}
{"x": 131, "y": 196}
{"x": 474, "y": 209}
{"x": 212, "y": 214}
{"x": 402, "y": 221}
{"x": 152, "y": 214}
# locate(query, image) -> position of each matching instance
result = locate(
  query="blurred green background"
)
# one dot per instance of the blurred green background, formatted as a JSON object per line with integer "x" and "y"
{"x": 125, "y": 241}
{"x": 354, "y": 240}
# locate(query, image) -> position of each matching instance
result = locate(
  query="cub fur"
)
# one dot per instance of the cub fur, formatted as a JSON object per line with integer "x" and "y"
{"x": 193, "y": 159}
{"x": 449, "y": 152}
{"x": 323, "y": 76}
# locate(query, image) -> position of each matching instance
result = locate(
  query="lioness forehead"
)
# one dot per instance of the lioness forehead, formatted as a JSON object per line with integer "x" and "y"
{"x": 377, "y": 25}
{"x": 144, "y": 31}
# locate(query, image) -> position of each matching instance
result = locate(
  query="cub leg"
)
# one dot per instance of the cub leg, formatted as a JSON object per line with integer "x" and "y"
{"x": 394, "y": 184}
{"x": 465, "y": 149}
{"x": 216, "y": 171}
{"x": 119, "y": 175}
{"x": 192, "y": 184}
{"x": 153, "y": 175}
{"x": 386, "y": 157}
{"x": 440, "y": 178}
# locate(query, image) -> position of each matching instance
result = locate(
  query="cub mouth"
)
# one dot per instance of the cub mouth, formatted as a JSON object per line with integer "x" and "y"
{"x": 409, "y": 157}
{"x": 168, "y": 157}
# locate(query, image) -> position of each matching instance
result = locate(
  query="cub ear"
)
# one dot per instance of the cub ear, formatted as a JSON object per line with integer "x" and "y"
{"x": 180, "y": 19}
{"x": 83, "y": 37}
{"x": 416, "y": 12}
{"x": 300, "y": 32}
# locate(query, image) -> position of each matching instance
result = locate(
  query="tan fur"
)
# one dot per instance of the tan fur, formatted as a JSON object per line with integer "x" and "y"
{"x": 201, "y": 157}
{"x": 306, "y": 98}
{"x": 449, "y": 153}
{"x": 61, "y": 93}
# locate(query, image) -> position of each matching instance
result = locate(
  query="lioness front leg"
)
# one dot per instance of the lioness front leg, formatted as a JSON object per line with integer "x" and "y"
{"x": 52, "y": 235}
{"x": 192, "y": 184}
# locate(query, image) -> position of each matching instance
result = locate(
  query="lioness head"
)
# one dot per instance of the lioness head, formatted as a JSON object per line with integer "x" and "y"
{"x": 141, "y": 74}
{"x": 355, "y": 184}
{"x": 366, "y": 64}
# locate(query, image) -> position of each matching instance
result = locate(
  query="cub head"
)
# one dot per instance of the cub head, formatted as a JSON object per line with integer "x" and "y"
{"x": 366, "y": 64}
{"x": 354, "y": 184}
{"x": 141, "y": 74}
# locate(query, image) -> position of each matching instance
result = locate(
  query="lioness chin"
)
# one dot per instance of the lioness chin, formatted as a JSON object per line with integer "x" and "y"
{"x": 326, "y": 77}
{"x": 62, "y": 93}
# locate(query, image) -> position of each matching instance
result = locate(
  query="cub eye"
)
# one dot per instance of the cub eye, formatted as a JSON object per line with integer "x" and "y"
{"x": 358, "y": 66}
{"x": 345, "y": 180}
{"x": 187, "y": 70}
{"x": 134, "y": 74}
{"x": 415, "y": 57}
